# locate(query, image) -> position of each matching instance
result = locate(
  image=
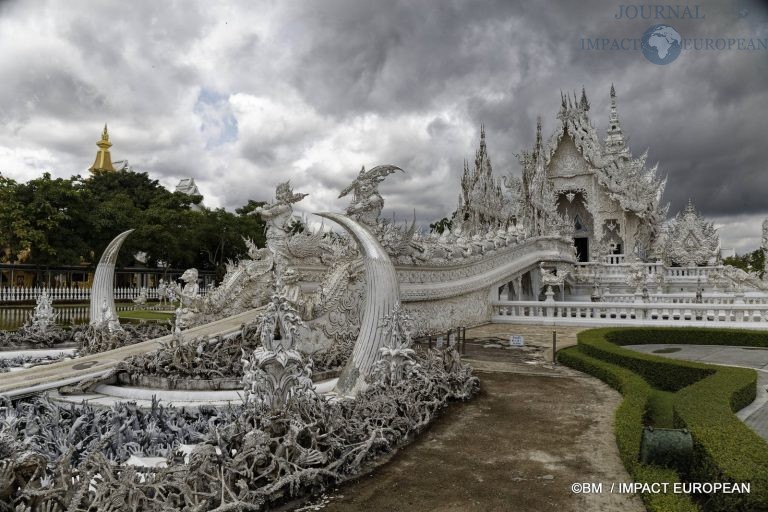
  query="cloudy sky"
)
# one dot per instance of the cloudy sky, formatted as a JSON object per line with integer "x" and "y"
{"x": 243, "y": 95}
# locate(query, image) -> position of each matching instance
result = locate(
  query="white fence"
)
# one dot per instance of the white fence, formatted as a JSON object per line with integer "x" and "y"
{"x": 749, "y": 316}
{"x": 74, "y": 294}
{"x": 615, "y": 269}
{"x": 690, "y": 298}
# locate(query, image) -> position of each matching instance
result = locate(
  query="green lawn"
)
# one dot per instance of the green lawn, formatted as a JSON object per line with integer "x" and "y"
{"x": 143, "y": 314}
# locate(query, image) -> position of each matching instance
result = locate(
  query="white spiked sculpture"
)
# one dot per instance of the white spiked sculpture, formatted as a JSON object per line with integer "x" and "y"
{"x": 382, "y": 293}
{"x": 102, "y": 292}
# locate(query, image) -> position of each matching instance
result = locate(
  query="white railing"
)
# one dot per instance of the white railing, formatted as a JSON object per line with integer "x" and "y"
{"x": 754, "y": 316}
{"x": 74, "y": 294}
{"x": 688, "y": 298}
{"x": 613, "y": 270}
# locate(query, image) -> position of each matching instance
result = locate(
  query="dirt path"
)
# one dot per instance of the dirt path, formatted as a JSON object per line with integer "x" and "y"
{"x": 519, "y": 446}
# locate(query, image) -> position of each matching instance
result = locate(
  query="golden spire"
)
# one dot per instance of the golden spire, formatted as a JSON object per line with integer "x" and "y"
{"x": 103, "y": 160}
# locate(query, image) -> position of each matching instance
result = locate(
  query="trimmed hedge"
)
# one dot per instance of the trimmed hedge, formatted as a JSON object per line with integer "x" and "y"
{"x": 725, "y": 449}
{"x": 628, "y": 427}
{"x": 660, "y": 372}
{"x": 687, "y": 336}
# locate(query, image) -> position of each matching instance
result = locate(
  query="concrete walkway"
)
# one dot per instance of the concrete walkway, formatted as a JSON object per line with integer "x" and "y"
{"x": 754, "y": 415}
{"x": 534, "y": 430}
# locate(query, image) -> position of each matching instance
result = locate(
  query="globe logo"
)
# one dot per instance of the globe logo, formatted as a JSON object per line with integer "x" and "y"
{"x": 661, "y": 44}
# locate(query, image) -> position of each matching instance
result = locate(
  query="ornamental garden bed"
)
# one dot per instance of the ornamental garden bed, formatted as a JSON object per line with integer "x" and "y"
{"x": 669, "y": 393}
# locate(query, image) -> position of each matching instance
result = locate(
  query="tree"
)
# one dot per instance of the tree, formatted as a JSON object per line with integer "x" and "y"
{"x": 43, "y": 210}
{"x": 750, "y": 262}
{"x": 15, "y": 235}
{"x": 71, "y": 221}
{"x": 442, "y": 224}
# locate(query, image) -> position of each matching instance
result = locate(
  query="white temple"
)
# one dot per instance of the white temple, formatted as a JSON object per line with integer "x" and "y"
{"x": 611, "y": 199}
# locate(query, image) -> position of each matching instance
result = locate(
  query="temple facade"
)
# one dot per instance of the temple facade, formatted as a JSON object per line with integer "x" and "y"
{"x": 609, "y": 198}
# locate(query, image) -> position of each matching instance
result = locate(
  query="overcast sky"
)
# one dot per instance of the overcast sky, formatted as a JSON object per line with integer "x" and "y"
{"x": 243, "y": 95}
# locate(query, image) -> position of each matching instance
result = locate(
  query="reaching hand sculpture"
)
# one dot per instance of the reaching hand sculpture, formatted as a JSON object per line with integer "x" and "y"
{"x": 367, "y": 203}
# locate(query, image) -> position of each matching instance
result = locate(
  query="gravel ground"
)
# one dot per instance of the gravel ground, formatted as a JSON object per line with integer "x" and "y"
{"x": 534, "y": 429}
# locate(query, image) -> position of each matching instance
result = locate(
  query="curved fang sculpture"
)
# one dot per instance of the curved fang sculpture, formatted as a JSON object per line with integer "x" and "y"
{"x": 102, "y": 292}
{"x": 382, "y": 293}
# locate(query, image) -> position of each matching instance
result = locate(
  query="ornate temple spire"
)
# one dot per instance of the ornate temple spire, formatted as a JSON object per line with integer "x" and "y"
{"x": 538, "y": 136}
{"x": 614, "y": 140}
{"x": 103, "y": 160}
{"x": 482, "y": 160}
{"x": 584, "y": 102}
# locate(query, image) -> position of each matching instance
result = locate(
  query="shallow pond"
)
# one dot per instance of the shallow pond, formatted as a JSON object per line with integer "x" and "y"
{"x": 13, "y": 317}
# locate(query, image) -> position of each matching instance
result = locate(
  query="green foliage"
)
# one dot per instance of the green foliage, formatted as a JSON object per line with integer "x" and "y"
{"x": 687, "y": 335}
{"x": 628, "y": 427}
{"x": 753, "y": 261}
{"x": 660, "y": 412}
{"x": 660, "y": 372}
{"x": 71, "y": 221}
{"x": 441, "y": 225}
{"x": 725, "y": 449}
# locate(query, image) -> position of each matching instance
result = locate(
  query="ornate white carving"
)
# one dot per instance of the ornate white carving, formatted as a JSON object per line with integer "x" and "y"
{"x": 275, "y": 372}
{"x": 43, "y": 317}
{"x": 764, "y": 246}
{"x": 397, "y": 359}
{"x": 691, "y": 240}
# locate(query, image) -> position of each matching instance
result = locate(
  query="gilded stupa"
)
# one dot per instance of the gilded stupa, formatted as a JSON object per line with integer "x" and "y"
{"x": 103, "y": 160}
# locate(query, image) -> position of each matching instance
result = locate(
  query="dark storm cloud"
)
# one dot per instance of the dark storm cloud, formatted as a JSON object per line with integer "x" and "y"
{"x": 317, "y": 89}
{"x": 504, "y": 64}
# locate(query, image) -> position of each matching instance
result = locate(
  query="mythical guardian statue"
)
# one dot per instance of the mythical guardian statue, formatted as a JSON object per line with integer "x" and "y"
{"x": 278, "y": 217}
{"x": 367, "y": 203}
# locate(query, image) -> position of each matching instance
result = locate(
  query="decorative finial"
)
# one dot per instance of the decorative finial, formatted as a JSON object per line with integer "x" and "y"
{"x": 613, "y": 91}
{"x": 103, "y": 161}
